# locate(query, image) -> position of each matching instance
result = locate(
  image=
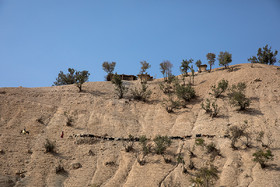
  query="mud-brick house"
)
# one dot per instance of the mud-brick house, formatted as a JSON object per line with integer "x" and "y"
{"x": 128, "y": 77}
{"x": 145, "y": 77}
{"x": 202, "y": 68}
{"x": 123, "y": 77}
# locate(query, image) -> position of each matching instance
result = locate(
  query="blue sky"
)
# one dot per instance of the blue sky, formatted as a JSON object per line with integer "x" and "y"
{"x": 40, "y": 38}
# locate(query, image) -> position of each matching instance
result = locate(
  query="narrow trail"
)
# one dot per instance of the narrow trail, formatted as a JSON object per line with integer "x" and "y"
{"x": 160, "y": 183}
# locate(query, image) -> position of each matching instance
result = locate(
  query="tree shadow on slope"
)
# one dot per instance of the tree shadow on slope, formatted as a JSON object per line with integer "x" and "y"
{"x": 95, "y": 92}
{"x": 254, "y": 99}
{"x": 274, "y": 167}
{"x": 230, "y": 69}
{"x": 252, "y": 112}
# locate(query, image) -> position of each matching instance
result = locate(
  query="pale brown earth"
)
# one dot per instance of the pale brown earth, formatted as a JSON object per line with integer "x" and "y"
{"x": 23, "y": 161}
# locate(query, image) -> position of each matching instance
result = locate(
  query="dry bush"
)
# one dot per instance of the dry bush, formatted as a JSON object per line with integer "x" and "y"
{"x": 142, "y": 94}
{"x": 162, "y": 142}
{"x": 49, "y": 146}
{"x": 262, "y": 157}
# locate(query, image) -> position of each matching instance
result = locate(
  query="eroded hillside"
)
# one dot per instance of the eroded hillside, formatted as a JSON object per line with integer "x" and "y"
{"x": 100, "y": 161}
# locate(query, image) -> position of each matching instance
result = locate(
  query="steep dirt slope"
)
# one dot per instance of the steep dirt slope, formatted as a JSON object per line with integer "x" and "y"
{"x": 44, "y": 113}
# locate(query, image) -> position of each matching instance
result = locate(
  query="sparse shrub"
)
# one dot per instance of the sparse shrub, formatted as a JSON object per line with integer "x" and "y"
{"x": 141, "y": 161}
{"x": 170, "y": 104}
{"x": 191, "y": 152}
{"x": 162, "y": 142}
{"x": 262, "y": 157}
{"x": 191, "y": 165}
{"x": 145, "y": 148}
{"x": 170, "y": 78}
{"x": 167, "y": 160}
{"x": 211, "y": 149}
{"x": 237, "y": 96}
{"x": 40, "y": 120}
{"x": 217, "y": 91}
{"x": 109, "y": 68}
{"x": 49, "y": 146}
{"x": 119, "y": 87}
{"x": 211, "y": 108}
{"x": 142, "y": 94}
{"x": 73, "y": 77}
{"x": 206, "y": 106}
{"x": 260, "y": 138}
{"x": 199, "y": 142}
{"x": 237, "y": 133}
{"x": 180, "y": 159}
{"x": 2, "y": 152}
{"x": 59, "y": 169}
{"x": 69, "y": 121}
{"x": 185, "y": 92}
{"x": 166, "y": 88}
{"x": 129, "y": 145}
{"x": 205, "y": 176}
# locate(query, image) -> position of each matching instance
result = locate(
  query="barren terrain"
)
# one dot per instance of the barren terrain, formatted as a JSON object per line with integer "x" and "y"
{"x": 100, "y": 161}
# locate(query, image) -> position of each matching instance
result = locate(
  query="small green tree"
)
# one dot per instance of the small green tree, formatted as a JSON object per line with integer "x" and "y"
{"x": 185, "y": 66}
{"x": 211, "y": 59}
{"x": 192, "y": 71}
{"x": 128, "y": 146}
{"x": 265, "y": 56}
{"x": 109, "y": 68}
{"x": 262, "y": 157}
{"x": 144, "y": 66}
{"x": 224, "y": 59}
{"x": 64, "y": 79}
{"x": 217, "y": 91}
{"x": 73, "y": 77}
{"x": 119, "y": 87}
{"x": 80, "y": 78}
{"x": 166, "y": 69}
{"x": 198, "y": 64}
{"x": 141, "y": 94}
{"x": 237, "y": 96}
{"x": 161, "y": 142}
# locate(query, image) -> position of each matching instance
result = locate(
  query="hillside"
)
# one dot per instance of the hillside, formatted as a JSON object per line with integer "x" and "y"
{"x": 104, "y": 162}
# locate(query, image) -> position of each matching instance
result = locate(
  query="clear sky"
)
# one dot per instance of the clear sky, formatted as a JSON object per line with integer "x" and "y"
{"x": 40, "y": 38}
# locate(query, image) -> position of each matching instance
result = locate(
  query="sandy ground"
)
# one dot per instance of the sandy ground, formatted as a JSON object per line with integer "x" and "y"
{"x": 96, "y": 110}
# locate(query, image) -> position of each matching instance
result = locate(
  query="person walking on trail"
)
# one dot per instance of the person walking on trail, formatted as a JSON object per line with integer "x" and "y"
{"x": 62, "y": 134}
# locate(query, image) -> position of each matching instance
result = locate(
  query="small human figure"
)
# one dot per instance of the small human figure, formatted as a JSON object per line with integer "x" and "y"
{"x": 62, "y": 134}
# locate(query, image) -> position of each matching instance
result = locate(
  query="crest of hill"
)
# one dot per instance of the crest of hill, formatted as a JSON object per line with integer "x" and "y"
{"x": 44, "y": 112}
